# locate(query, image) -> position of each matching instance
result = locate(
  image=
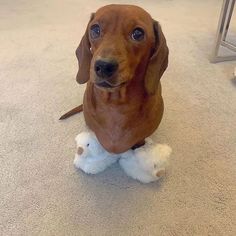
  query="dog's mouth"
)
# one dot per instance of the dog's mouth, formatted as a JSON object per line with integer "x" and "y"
{"x": 107, "y": 85}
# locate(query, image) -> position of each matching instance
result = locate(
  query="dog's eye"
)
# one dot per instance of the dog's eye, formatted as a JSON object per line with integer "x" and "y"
{"x": 94, "y": 31}
{"x": 87, "y": 144}
{"x": 137, "y": 34}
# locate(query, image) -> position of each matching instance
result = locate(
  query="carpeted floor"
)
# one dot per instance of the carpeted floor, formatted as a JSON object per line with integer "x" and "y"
{"x": 41, "y": 193}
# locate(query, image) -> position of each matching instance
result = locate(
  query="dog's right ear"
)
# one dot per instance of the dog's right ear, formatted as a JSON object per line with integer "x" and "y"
{"x": 84, "y": 56}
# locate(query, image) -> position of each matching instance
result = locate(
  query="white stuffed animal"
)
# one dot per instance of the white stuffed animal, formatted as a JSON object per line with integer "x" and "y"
{"x": 91, "y": 157}
{"x": 147, "y": 163}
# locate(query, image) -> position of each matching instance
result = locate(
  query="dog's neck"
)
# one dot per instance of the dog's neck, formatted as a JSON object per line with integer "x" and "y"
{"x": 120, "y": 96}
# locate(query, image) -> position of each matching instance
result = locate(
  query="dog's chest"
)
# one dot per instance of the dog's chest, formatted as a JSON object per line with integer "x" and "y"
{"x": 121, "y": 124}
{"x": 117, "y": 110}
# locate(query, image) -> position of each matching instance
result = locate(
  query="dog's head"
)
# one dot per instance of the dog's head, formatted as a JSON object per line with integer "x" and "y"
{"x": 122, "y": 43}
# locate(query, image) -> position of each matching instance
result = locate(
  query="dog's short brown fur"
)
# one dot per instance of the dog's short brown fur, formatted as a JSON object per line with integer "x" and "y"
{"x": 130, "y": 110}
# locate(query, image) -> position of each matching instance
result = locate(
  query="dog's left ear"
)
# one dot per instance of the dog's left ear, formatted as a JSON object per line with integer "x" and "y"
{"x": 158, "y": 61}
{"x": 84, "y": 56}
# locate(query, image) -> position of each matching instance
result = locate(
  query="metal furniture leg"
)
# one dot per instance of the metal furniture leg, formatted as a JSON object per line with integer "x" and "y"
{"x": 231, "y": 9}
{"x": 223, "y": 26}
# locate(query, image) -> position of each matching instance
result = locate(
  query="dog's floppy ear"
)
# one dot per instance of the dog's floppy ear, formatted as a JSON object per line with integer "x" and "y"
{"x": 84, "y": 56}
{"x": 158, "y": 61}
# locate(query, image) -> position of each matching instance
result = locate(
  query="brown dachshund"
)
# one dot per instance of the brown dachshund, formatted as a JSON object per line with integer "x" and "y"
{"x": 122, "y": 57}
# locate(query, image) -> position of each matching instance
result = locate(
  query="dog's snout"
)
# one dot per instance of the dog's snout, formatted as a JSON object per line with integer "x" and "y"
{"x": 105, "y": 68}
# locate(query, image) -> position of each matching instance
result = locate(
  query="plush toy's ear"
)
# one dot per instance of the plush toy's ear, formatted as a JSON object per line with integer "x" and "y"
{"x": 158, "y": 61}
{"x": 84, "y": 56}
{"x": 77, "y": 138}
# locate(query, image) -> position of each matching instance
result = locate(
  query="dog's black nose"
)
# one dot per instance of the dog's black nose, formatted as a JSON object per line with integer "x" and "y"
{"x": 105, "y": 68}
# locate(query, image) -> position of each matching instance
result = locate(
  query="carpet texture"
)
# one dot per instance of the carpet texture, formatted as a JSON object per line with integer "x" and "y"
{"x": 41, "y": 193}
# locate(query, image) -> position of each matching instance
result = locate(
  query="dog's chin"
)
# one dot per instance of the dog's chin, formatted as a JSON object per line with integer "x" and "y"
{"x": 108, "y": 86}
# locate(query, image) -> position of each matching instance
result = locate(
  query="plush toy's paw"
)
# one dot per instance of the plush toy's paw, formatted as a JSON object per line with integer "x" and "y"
{"x": 91, "y": 157}
{"x": 93, "y": 165}
{"x": 147, "y": 163}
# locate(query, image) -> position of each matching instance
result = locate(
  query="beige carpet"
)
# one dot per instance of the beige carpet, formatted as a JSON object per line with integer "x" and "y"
{"x": 40, "y": 191}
